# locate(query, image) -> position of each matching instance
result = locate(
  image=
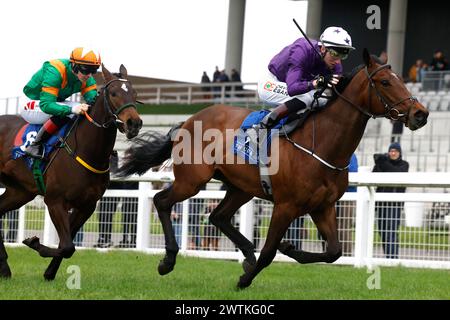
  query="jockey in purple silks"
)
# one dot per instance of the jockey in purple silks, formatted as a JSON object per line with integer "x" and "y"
{"x": 298, "y": 71}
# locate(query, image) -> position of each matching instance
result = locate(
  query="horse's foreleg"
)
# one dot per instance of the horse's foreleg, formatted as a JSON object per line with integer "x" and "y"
{"x": 164, "y": 201}
{"x": 77, "y": 219}
{"x": 11, "y": 199}
{"x": 5, "y": 271}
{"x": 60, "y": 218}
{"x": 164, "y": 207}
{"x": 221, "y": 218}
{"x": 326, "y": 224}
{"x": 278, "y": 225}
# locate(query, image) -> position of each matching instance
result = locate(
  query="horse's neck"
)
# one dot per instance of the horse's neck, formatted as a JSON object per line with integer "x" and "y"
{"x": 94, "y": 143}
{"x": 339, "y": 128}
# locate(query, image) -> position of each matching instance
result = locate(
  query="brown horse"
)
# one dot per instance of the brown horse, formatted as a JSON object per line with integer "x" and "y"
{"x": 302, "y": 184}
{"x": 70, "y": 186}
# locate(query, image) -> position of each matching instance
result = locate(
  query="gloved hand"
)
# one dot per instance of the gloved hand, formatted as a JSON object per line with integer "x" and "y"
{"x": 326, "y": 81}
{"x": 79, "y": 108}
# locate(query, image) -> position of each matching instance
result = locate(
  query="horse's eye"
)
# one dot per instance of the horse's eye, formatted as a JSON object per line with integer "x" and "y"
{"x": 385, "y": 83}
{"x": 113, "y": 94}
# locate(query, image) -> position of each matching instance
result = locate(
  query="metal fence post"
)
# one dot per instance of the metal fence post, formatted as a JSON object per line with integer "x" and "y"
{"x": 21, "y": 225}
{"x": 246, "y": 224}
{"x": 362, "y": 205}
{"x": 370, "y": 227}
{"x": 143, "y": 216}
{"x": 50, "y": 234}
{"x": 184, "y": 225}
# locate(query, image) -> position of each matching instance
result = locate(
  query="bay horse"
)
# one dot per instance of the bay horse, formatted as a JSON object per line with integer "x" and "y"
{"x": 70, "y": 186}
{"x": 301, "y": 185}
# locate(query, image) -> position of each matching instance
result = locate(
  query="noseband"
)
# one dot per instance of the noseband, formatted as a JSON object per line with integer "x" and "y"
{"x": 391, "y": 112}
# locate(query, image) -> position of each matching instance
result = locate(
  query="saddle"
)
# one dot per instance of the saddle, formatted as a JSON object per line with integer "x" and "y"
{"x": 24, "y": 137}
{"x": 254, "y": 147}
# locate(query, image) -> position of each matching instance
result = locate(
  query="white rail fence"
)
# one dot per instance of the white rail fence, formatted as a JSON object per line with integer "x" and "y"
{"x": 422, "y": 238}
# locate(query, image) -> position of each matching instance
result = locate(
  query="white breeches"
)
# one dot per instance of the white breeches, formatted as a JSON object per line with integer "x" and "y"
{"x": 274, "y": 92}
{"x": 31, "y": 112}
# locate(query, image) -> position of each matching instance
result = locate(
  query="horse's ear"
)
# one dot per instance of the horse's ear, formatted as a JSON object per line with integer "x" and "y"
{"x": 123, "y": 71}
{"x": 367, "y": 58}
{"x": 107, "y": 76}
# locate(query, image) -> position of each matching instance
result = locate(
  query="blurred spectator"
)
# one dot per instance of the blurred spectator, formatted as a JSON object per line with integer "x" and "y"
{"x": 205, "y": 80}
{"x": 195, "y": 209}
{"x": 176, "y": 217}
{"x": 389, "y": 212}
{"x": 210, "y": 238}
{"x": 415, "y": 72}
{"x": 293, "y": 232}
{"x": 345, "y": 214}
{"x": 439, "y": 62}
{"x": 257, "y": 223}
{"x": 224, "y": 78}
{"x": 216, "y": 76}
{"x": 383, "y": 57}
{"x": 236, "y": 77}
{"x": 397, "y": 131}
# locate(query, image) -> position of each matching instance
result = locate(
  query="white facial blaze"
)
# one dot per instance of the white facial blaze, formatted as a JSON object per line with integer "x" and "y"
{"x": 124, "y": 87}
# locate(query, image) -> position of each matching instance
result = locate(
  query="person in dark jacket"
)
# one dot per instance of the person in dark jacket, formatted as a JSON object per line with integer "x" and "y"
{"x": 389, "y": 212}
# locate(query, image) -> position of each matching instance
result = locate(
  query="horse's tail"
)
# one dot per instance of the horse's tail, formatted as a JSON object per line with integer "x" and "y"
{"x": 149, "y": 150}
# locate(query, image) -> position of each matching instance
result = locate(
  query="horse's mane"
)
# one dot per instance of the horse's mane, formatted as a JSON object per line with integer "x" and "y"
{"x": 347, "y": 77}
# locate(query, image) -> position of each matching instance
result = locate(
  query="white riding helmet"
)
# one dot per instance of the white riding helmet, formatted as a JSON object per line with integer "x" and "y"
{"x": 336, "y": 37}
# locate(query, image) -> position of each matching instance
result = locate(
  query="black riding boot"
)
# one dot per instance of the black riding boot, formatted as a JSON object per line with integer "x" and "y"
{"x": 271, "y": 119}
{"x": 52, "y": 126}
{"x": 36, "y": 148}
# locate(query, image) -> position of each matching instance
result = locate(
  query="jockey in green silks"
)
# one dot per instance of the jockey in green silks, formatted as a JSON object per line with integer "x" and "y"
{"x": 48, "y": 89}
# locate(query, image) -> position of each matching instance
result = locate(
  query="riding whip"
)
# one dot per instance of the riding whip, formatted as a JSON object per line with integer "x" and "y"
{"x": 307, "y": 39}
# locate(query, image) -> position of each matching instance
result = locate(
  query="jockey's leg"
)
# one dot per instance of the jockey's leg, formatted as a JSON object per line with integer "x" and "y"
{"x": 289, "y": 107}
{"x": 50, "y": 127}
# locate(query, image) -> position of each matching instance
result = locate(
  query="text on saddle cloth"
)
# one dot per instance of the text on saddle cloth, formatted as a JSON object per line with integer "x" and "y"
{"x": 27, "y": 134}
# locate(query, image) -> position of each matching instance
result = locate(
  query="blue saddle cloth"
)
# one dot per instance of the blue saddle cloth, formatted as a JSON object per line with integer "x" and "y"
{"x": 28, "y": 136}
{"x": 247, "y": 148}
{"x": 256, "y": 117}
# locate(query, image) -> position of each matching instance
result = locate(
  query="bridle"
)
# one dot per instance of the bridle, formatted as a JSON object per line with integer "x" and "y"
{"x": 391, "y": 112}
{"x": 115, "y": 120}
{"x": 107, "y": 104}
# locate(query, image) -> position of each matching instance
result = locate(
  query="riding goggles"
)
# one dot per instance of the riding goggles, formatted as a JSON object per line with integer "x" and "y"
{"x": 335, "y": 54}
{"x": 86, "y": 70}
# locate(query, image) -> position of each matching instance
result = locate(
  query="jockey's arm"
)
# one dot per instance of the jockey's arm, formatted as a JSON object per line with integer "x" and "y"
{"x": 296, "y": 77}
{"x": 51, "y": 85}
{"x": 296, "y": 84}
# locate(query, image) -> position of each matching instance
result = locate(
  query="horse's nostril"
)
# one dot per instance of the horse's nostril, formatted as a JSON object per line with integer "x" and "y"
{"x": 421, "y": 117}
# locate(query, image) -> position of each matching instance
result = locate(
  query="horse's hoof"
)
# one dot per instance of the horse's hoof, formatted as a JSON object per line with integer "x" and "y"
{"x": 32, "y": 242}
{"x": 243, "y": 283}
{"x": 49, "y": 276}
{"x": 165, "y": 268}
{"x": 285, "y": 247}
{"x": 5, "y": 272}
{"x": 248, "y": 266}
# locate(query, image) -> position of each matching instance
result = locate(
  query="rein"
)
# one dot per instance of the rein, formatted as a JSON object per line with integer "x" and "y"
{"x": 105, "y": 125}
{"x": 391, "y": 112}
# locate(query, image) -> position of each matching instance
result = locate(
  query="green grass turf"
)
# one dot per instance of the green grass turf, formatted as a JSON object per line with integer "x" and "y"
{"x": 133, "y": 275}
